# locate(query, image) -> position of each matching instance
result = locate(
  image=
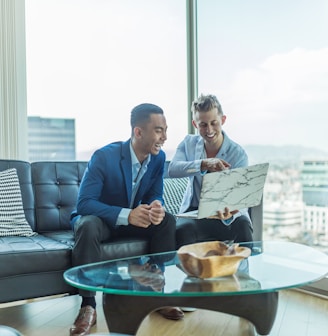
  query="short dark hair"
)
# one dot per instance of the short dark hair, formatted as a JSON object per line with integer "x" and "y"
{"x": 205, "y": 103}
{"x": 141, "y": 114}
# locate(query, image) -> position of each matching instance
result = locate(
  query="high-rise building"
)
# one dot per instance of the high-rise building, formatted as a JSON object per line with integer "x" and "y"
{"x": 283, "y": 220}
{"x": 51, "y": 139}
{"x": 314, "y": 177}
{"x": 282, "y": 204}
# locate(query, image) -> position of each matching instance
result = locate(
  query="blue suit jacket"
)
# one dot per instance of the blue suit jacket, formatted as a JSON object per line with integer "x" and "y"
{"x": 106, "y": 186}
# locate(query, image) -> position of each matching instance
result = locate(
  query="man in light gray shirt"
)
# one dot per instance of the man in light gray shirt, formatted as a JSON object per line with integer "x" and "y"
{"x": 209, "y": 151}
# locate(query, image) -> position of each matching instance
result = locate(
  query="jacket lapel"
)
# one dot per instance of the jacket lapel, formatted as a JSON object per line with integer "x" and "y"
{"x": 126, "y": 168}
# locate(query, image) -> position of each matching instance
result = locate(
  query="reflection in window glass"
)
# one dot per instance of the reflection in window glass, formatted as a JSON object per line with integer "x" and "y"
{"x": 94, "y": 60}
{"x": 268, "y": 62}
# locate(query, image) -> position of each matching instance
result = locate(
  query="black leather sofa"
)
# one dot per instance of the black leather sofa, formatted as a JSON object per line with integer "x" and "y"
{"x": 32, "y": 267}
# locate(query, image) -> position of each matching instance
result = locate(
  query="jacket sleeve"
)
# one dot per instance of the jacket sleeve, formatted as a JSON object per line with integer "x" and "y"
{"x": 185, "y": 162}
{"x": 90, "y": 197}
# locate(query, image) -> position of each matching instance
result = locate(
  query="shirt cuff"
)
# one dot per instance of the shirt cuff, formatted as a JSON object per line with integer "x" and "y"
{"x": 123, "y": 216}
{"x": 231, "y": 219}
{"x": 196, "y": 168}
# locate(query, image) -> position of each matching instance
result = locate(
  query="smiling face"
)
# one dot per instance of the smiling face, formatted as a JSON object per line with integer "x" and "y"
{"x": 150, "y": 137}
{"x": 209, "y": 125}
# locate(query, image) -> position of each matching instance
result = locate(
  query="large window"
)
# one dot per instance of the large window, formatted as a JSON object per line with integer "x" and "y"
{"x": 94, "y": 60}
{"x": 267, "y": 61}
{"x": 91, "y": 61}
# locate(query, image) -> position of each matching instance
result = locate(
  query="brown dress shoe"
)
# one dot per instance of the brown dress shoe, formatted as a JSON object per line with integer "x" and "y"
{"x": 85, "y": 320}
{"x": 171, "y": 313}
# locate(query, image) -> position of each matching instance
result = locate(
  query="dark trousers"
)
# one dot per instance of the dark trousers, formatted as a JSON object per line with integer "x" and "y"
{"x": 91, "y": 231}
{"x": 191, "y": 231}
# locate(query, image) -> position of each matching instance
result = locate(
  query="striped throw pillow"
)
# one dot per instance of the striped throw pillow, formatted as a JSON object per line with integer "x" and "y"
{"x": 174, "y": 189}
{"x": 12, "y": 216}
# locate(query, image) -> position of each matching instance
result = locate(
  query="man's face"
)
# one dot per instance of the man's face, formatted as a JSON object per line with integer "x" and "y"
{"x": 209, "y": 125}
{"x": 152, "y": 135}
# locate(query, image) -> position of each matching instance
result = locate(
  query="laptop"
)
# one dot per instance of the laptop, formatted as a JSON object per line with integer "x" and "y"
{"x": 236, "y": 189}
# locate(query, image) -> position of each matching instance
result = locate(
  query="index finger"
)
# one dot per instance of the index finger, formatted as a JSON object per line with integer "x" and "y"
{"x": 225, "y": 163}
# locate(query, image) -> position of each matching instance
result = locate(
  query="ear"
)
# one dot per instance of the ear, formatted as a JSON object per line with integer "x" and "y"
{"x": 137, "y": 132}
{"x": 223, "y": 119}
{"x": 194, "y": 123}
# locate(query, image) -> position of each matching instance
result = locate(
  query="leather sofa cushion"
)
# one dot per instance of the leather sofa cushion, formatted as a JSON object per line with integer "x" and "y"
{"x": 116, "y": 248}
{"x": 25, "y": 255}
{"x": 56, "y": 186}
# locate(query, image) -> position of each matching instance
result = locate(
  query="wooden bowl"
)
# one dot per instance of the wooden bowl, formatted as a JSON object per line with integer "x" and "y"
{"x": 211, "y": 259}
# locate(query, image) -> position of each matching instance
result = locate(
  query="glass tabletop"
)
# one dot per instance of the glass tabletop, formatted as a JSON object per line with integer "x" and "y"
{"x": 270, "y": 267}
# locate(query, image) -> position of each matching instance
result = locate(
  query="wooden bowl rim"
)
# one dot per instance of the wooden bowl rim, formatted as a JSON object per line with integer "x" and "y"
{"x": 241, "y": 251}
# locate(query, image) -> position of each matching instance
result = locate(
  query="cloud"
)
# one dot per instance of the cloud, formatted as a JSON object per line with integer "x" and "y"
{"x": 299, "y": 76}
{"x": 283, "y": 100}
{"x": 301, "y": 73}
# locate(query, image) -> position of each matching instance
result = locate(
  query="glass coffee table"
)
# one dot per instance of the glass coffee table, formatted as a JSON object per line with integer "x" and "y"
{"x": 134, "y": 287}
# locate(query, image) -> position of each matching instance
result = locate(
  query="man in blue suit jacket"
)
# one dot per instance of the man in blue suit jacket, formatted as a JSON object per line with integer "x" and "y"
{"x": 121, "y": 195}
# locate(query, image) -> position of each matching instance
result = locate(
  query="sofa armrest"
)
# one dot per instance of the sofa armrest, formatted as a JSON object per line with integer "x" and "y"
{"x": 256, "y": 214}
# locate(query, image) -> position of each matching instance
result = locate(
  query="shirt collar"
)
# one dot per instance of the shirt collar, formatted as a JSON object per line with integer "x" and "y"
{"x": 223, "y": 149}
{"x": 134, "y": 159}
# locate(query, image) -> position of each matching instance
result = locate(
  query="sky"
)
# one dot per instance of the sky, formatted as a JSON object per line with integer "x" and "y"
{"x": 267, "y": 61}
{"x": 270, "y": 68}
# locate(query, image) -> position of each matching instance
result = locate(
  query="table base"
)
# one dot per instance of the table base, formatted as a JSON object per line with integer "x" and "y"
{"x": 124, "y": 313}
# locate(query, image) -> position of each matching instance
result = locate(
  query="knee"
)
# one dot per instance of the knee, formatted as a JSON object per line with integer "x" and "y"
{"x": 185, "y": 234}
{"x": 88, "y": 226}
{"x": 243, "y": 229}
{"x": 170, "y": 219}
{"x": 169, "y": 222}
{"x": 243, "y": 223}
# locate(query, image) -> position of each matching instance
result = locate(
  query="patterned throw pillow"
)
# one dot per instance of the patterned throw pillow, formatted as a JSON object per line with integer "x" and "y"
{"x": 174, "y": 189}
{"x": 12, "y": 216}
